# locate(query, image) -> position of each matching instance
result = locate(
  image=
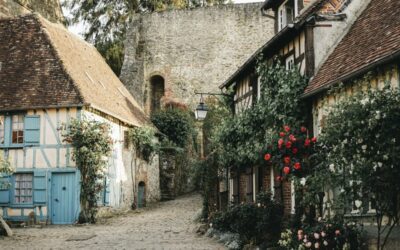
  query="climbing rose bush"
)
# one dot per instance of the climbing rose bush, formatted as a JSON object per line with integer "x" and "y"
{"x": 290, "y": 152}
{"x": 323, "y": 235}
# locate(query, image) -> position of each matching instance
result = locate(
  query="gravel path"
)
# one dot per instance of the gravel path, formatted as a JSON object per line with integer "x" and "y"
{"x": 167, "y": 225}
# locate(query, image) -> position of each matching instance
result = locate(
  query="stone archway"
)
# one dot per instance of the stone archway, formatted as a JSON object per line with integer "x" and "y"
{"x": 157, "y": 91}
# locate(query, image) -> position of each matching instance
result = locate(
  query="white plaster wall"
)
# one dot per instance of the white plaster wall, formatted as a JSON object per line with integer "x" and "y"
{"x": 327, "y": 37}
{"x": 124, "y": 172}
{"x": 52, "y": 152}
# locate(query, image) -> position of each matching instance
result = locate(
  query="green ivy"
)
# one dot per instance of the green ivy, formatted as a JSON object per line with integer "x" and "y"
{"x": 243, "y": 136}
{"x": 144, "y": 141}
{"x": 176, "y": 124}
{"x": 5, "y": 171}
{"x": 92, "y": 144}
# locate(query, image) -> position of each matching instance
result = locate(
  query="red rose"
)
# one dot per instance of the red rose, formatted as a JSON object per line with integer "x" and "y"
{"x": 307, "y": 142}
{"x": 280, "y": 141}
{"x": 286, "y": 159}
{"x": 267, "y": 157}
{"x": 279, "y": 178}
{"x": 292, "y": 138}
{"x": 295, "y": 150}
{"x": 314, "y": 139}
{"x": 288, "y": 144}
{"x": 286, "y": 128}
{"x": 282, "y": 134}
{"x": 303, "y": 129}
{"x": 297, "y": 166}
{"x": 286, "y": 170}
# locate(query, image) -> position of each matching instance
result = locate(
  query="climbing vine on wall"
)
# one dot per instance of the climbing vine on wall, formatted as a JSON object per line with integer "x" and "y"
{"x": 144, "y": 141}
{"x": 5, "y": 171}
{"x": 92, "y": 144}
{"x": 244, "y": 136}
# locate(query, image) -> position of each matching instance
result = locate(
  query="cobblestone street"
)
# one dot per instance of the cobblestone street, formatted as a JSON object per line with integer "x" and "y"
{"x": 167, "y": 225}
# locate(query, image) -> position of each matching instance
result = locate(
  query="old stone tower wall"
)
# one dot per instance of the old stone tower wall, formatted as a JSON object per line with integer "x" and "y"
{"x": 193, "y": 50}
{"x": 49, "y": 9}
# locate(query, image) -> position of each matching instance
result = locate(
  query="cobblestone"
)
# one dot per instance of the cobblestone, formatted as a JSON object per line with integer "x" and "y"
{"x": 166, "y": 225}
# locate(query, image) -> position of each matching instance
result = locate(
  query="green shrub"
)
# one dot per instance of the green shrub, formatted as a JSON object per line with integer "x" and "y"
{"x": 176, "y": 124}
{"x": 256, "y": 222}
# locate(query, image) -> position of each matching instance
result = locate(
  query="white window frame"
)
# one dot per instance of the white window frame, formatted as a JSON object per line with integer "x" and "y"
{"x": 282, "y": 17}
{"x": 289, "y": 62}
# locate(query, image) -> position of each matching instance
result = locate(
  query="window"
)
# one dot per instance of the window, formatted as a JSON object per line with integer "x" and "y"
{"x": 290, "y": 62}
{"x": 1, "y": 129}
{"x": 286, "y": 13}
{"x": 17, "y": 129}
{"x": 23, "y": 188}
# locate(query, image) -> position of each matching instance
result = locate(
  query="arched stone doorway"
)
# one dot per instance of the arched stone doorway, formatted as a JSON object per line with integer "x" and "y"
{"x": 141, "y": 195}
{"x": 157, "y": 87}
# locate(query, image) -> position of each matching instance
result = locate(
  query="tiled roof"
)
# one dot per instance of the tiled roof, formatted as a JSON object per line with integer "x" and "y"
{"x": 373, "y": 38}
{"x": 43, "y": 65}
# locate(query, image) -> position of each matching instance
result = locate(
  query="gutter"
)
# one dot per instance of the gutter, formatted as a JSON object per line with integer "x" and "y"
{"x": 80, "y": 105}
{"x": 353, "y": 74}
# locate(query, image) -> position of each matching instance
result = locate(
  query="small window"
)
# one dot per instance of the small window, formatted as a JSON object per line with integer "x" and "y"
{"x": 23, "y": 188}
{"x": 286, "y": 13}
{"x": 2, "y": 129}
{"x": 17, "y": 129}
{"x": 290, "y": 62}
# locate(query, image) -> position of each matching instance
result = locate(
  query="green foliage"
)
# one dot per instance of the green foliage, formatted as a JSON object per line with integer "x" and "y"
{"x": 144, "y": 141}
{"x": 256, "y": 222}
{"x": 176, "y": 124}
{"x": 243, "y": 136}
{"x": 332, "y": 235}
{"x": 113, "y": 53}
{"x": 5, "y": 171}
{"x": 359, "y": 155}
{"x": 92, "y": 144}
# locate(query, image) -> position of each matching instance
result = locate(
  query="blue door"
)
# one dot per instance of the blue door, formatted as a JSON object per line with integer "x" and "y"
{"x": 63, "y": 198}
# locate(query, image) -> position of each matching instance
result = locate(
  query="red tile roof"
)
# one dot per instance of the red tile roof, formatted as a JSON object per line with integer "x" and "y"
{"x": 42, "y": 65}
{"x": 373, "y": 39}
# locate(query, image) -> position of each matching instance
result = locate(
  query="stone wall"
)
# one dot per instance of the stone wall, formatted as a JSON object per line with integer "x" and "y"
{"x": 193, "y": 50}
{"x": 49, "y": 9}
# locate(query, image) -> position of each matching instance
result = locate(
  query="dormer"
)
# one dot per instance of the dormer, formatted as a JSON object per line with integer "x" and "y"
{"x": 285, "y": 14}
{"x": 285, "y": 11}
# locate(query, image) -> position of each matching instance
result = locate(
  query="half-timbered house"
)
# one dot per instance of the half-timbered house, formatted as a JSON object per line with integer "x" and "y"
{"x": 48, "y": 77}
{"x": 306, "y": 32}
{"x": 370, "y": 47}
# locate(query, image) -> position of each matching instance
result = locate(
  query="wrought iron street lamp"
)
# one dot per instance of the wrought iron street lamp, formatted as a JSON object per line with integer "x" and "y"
{"x": 202, "y": 109}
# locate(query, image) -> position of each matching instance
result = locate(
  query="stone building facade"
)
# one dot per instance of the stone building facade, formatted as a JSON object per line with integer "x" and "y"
{"x": 169, "y": 55}
{"x": 50, "y": 9}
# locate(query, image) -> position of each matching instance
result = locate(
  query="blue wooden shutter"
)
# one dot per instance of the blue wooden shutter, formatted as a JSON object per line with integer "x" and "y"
{"x": 107, "y": 192}
{"x": 39, "y": 187}
{"x": 32, "y": 130}
{"x": 5, "y": 189}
